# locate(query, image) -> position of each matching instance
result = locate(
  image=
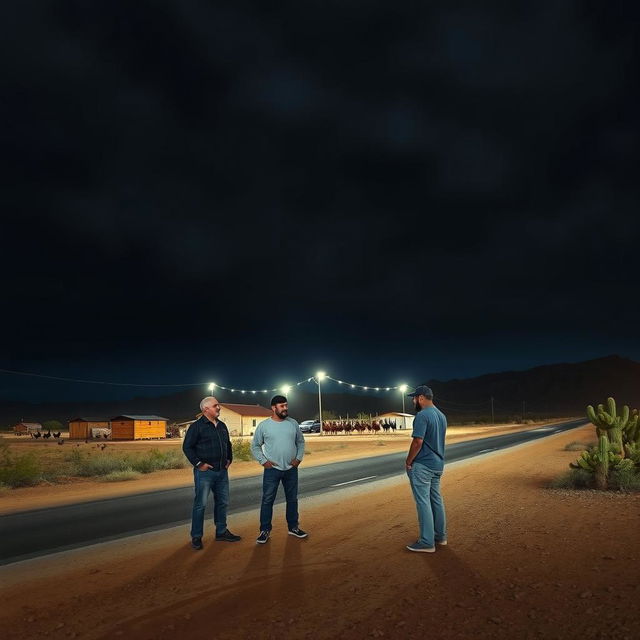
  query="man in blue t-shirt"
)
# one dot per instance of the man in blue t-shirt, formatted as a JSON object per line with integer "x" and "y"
{"x": 425, "y": 463}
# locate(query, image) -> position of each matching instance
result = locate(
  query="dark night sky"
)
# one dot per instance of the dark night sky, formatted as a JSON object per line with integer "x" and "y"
{"x": 247, "y": 192}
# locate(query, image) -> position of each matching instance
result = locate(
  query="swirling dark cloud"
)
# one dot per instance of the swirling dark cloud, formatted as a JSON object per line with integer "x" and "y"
{"x": 334, "y": 174}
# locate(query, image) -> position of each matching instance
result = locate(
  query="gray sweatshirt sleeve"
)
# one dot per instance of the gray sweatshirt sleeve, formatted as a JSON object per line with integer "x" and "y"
{"x": 256, "y": 445}
{"x": 299, "y": 444}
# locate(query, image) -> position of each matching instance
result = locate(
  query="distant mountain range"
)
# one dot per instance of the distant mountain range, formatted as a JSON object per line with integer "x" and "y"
{"x": 549, "y": 390}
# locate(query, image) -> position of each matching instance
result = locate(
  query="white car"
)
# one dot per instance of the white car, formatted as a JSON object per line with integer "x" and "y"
{"x": 310, "y": 426}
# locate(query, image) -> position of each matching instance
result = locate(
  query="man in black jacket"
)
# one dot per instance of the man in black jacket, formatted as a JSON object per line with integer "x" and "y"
{"x": 208, "y": 448}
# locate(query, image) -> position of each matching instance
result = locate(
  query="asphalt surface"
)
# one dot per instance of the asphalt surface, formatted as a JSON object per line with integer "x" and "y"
{"x": 29, "y": 534}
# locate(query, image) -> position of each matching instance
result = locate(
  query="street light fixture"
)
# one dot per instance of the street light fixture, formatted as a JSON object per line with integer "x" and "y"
{"x": 285, "y": 388}
{"x": 403, "y": 390}
{"x": 320, "y": 376}
{"x": 212, "y": 386}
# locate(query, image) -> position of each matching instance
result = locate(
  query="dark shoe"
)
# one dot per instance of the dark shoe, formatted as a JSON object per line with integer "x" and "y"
{"x": 196, "y": 543}
{"x": 227, "y": 536}
{"x": 263, "y": 537}
{"x": 421, "y": 548}
{"x": 298, "y": 532}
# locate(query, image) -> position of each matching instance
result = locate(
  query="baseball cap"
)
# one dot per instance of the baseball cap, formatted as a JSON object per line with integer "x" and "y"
{"x": 422, "y": 390}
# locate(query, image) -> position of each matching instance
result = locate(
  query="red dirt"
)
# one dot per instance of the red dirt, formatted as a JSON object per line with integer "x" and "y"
{"x": 523, "y": 561}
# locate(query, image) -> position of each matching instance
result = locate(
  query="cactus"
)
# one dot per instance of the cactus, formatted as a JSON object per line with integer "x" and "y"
{"x": 620, "y": 429}
{"x": 602, "y": 459}
{"x": 632, "y": 452}
{"x": 602, "y": 464}
{"x": 631, "y": 433}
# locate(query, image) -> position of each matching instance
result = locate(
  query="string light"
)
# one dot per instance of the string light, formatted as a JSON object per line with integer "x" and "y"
{"x": 353, "y": 385}
{"x": 212, "y": 386}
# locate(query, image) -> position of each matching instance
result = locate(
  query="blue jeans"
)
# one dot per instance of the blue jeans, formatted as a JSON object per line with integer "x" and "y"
{"x": 218, "y": 483}
{"x": 270, "y": 481}
{"x": 425, "y": 484}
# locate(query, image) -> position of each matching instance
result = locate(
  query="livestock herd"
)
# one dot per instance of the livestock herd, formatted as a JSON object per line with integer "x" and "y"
{"x": 358, "y": 426}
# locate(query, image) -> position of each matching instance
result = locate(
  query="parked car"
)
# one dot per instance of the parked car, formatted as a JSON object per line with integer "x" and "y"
{"x": 310, "y": 426}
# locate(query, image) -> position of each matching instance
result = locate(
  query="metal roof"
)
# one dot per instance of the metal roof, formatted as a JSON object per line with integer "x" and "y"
{"x": 246, "y": 409}
{"x": 131, "y": 417}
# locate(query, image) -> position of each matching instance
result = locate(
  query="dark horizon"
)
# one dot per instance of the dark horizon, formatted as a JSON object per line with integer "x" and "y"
{"x": 51, "y": 390}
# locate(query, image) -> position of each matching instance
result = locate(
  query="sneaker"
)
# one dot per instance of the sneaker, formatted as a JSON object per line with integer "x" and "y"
{"x": 227, "y": 536}
{"x": 196, "y": 543}
{"x": 298, "y": 532}
{"x": 442, "y": 543}
{"x": 263, "y": 537}
{"x": 420, "y": 548}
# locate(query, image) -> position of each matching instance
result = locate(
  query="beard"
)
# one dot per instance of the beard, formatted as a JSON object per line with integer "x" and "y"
{"x": 282, "y": 414}
{"x": 416, "y": 408}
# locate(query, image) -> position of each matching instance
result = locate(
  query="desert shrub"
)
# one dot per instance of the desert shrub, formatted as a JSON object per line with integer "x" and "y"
{"x": 98, "y": 465}
{"x": 157, "y": 460}
{"x": 574, "y": 479}
{"x": 576, "y": 445}
{"x": 19, "y": 471}
{"x": 241, "y": 449}
{"x": 380, "y": 443}
{"x": 120, "y": 476}
{"x": 625, "y": 478}
{"x": 102, "y": 464}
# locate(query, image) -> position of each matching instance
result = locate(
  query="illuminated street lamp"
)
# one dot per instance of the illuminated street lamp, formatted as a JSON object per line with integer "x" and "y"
{"x": 403, "y": 390}
{"x": 285, "y": 389}
{"x": 212, "y": 386}
{"x": 320, "y": 376}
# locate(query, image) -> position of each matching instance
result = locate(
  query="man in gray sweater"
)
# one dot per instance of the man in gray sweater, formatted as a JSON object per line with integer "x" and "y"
{"x": 278, "y": 445}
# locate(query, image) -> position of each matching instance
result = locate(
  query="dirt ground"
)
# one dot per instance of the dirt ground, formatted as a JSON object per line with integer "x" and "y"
{"x": 319, "y": 450}
{"x": 523, "y": 561}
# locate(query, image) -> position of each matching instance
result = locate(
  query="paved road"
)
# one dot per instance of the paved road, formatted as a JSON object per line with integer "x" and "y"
{"x": 34, "y": 533}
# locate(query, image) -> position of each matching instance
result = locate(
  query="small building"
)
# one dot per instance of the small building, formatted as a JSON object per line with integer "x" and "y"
{"x": 403, "y": 420}
{"x": 128, "y": 427}
{"x": 182, "y": 427}
{"x": 26, "y": 428}
{"x": 242, "y": 419}
{"x": 81, "y": 428}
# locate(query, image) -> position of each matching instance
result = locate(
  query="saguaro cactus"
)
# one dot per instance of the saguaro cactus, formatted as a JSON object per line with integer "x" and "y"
{"x": 602, "y": 464}
{"x": 618, "y": 428}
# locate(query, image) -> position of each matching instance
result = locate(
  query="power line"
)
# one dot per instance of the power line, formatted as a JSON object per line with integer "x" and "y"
{"x": 353, "y": 385}
{"x": 115, "y": 384}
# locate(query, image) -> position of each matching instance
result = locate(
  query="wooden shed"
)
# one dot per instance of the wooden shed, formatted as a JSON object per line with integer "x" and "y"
{"x": 80, "y": 428}
{"x": 25, "y": 428}
{"x": 138, "y": 427}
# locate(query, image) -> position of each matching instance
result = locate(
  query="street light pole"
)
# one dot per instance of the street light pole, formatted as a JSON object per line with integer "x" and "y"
{"x": 320, "y": 376}
{"x": 403, "y": 390}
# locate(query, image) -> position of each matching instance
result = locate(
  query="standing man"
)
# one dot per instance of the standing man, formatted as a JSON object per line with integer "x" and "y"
{"x": 278, "y": 445}
{"x": 424, "y": 464}
{"x": 208, "y": 448}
